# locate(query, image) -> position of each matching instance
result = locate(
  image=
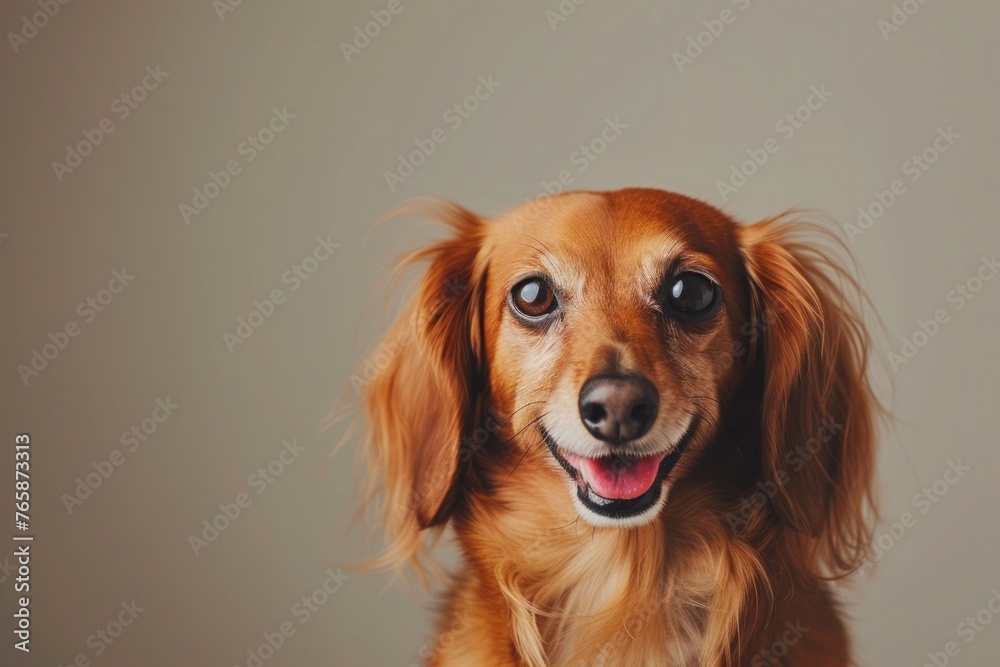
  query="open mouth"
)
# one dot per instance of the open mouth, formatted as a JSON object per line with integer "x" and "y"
{"x": 619, "y": 486}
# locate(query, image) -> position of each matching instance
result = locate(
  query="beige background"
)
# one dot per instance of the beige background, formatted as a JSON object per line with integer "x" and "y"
{"x": 162, "y": 336}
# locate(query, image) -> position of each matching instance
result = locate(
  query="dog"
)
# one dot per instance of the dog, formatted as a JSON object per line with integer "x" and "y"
{"x": 649, "y": 427}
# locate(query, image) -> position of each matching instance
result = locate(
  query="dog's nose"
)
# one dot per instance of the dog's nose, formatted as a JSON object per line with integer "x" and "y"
{"x": 617, "y": 408}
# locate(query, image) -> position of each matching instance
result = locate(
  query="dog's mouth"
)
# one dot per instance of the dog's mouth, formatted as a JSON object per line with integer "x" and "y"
{"x": 619, "y": 486}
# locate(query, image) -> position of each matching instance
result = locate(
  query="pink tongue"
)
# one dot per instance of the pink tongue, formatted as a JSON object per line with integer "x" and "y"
{"x": 617, "y": 479}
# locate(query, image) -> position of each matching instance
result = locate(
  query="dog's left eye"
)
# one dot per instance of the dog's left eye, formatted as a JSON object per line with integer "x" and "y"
{"x": 533, "y": 298}
{"x": 691, "y": 294}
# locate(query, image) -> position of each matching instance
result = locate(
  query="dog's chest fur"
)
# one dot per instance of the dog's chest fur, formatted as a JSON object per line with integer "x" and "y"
{"x": 573, "y": 595}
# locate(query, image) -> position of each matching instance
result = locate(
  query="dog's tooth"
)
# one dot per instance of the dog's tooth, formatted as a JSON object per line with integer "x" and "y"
{"x": 581, "y": 473}
{"x": 596, "y": 499}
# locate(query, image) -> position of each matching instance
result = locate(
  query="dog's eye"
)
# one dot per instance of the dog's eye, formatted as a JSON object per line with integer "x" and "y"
{"x": 533, "y": 298}
{"x": 691, "y": 294}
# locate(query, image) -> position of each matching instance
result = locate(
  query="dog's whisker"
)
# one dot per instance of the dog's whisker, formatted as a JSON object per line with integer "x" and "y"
{"x": 526, "y": 449}
{"x": 525, "y": 427}
{"x": 719, "y": 432}
{"x": 548, "y": 250}
{"x": 516, "y": 410}
{"x": 568, "y": 524}
{"x": 720, "y": 404}
{"x": 536, "y": 249}
{"x": 703, "y": 415}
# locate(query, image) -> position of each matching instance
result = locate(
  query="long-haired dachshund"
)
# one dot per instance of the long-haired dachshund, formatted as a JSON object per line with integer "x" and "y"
{"x": 648, "y": 426}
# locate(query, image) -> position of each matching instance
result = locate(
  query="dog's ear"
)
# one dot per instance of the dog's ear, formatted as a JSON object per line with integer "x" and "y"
{"x": 426, "y": 396}
{"x": 817, "y": 407}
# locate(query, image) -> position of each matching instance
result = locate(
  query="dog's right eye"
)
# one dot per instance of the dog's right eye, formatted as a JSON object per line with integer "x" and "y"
{"x": 692, "y": 295}
{"x": 532, "y": 299}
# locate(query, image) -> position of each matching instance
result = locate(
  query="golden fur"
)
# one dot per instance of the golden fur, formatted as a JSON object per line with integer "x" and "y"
{"x": 734, "y": 570}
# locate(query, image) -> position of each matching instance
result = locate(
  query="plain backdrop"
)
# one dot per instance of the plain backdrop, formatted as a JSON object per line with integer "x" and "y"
{"x": 558, "y": 73}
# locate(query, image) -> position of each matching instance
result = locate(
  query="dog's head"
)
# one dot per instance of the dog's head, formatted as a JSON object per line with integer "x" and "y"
{"x": 636, "y": 336}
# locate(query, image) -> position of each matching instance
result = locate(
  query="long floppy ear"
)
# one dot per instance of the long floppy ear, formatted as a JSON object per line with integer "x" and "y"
{"x": 426, "y": 395}
{"x": 817, "y": 408}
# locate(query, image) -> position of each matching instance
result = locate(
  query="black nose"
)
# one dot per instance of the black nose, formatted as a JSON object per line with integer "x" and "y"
{"x": 617, "y": 408}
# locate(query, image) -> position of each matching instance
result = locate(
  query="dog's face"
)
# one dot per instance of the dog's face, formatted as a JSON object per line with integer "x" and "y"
{"x": 587, "y": 353}
{"x": 610, "y": 324}
{"x": 615, "y": 334}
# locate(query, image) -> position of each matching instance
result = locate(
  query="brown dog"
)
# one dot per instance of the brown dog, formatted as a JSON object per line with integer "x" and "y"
{"x": 692, "y": 389}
